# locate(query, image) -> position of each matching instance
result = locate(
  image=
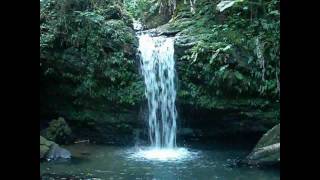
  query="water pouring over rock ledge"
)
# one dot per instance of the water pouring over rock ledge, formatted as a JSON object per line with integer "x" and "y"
{"x": 158, "y": 70}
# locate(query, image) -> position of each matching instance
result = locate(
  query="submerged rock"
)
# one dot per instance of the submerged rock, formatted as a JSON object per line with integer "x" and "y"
{"x": 267, "y": 151}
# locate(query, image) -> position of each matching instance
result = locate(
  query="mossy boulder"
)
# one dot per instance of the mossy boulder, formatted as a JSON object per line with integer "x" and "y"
{"x": 49, "y": 150}
{"x": 58, "y": 131}
{"x": 44, "y": 147}
{"x": 267, "y": 150}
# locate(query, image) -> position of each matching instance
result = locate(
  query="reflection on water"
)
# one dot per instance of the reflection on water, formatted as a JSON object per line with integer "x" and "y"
{"x": 109, "y": 162}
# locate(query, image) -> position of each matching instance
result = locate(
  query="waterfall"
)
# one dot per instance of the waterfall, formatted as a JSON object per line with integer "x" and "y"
{"x": 157, "y": 66}
{"x": 158, "y": 69}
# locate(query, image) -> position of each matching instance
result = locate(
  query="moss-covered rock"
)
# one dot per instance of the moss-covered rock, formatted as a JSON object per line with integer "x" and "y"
{"x": 49, "y": 150}
{"x": 44, "y": 147}
{"x": 58, "y": 131}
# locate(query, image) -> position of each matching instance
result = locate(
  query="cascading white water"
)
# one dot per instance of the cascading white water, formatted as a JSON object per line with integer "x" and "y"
{"x": 158, "y": 69}
{"x": 157, "y": 65}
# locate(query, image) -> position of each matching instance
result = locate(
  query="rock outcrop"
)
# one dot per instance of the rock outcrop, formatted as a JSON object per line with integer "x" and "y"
{"x": 267, "y": 151}
{"x": 49, "y": 150}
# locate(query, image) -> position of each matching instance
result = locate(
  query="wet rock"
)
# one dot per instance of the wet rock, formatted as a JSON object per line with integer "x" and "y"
{"x": 56, "y": 152}
{"x": 169, "y": 33}
{"x": 267, "y": 150}
{"x": 167, "y": 30}
{"x": 49, "y": 150}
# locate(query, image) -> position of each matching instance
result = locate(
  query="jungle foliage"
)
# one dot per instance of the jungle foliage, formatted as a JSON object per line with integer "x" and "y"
{"x": 87, "y": 54}
{"x": 151, "y": 13}
{"x": 235, "y": 54}
{"x": 87, "y": 58}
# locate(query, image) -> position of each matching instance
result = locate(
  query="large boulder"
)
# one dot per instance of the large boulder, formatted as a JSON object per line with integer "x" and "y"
{"x": 49, "y": 150}
{"x": 44, "y": 146}
{"x": 267, "y": 151}
{"x": 58, "y": 131}
{"x": 57, "y": 152}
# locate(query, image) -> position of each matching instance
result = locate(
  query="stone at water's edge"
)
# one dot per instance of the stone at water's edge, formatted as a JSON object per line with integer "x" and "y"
{"x": 267, "y": 150}
{"x": 57, "y": 152}
{"x": 51, "y": 151}
{"x": 44, "y": 146}
{"x": 269, "y": 138}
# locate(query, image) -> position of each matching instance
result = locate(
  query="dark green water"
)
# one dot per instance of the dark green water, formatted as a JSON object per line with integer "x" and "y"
{"x": 111, "y": 162}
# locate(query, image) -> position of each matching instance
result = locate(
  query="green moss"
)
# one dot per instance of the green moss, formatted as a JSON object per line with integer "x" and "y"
{"x": 87, "y": 51}
{"x": 44, "y": 146}
{"x": 217, "y": 61}
{"x": 58, "y": 131}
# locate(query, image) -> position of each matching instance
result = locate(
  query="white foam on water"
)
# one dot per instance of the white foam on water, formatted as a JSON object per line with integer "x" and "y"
{"x": 162, "y": 154}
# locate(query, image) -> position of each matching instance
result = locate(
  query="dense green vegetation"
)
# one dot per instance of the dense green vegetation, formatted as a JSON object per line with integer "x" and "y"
{"x": 234, "y": 53}
{"x": 87, "y": 52}
{"x": 151, "y": 13}
{"x": 226, "y": 59}
{"x": 227, "y": 62}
